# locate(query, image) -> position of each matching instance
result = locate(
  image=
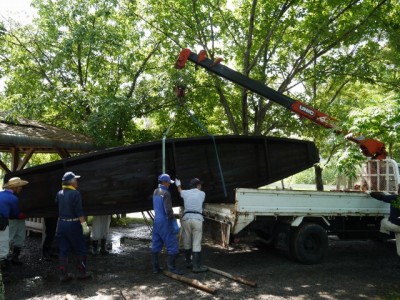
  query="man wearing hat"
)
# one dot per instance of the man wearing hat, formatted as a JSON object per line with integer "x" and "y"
{"x": 72, "y": 227}
{"x": 192, "y": 223}
{"x": 17, "y": 237}
{"x": 8, "y": 209}
{"x": 163, "y": 231}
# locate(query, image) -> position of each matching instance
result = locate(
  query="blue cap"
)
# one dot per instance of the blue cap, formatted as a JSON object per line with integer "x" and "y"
{"x": 165, "y": 177}
{"x": 69, "y": 176}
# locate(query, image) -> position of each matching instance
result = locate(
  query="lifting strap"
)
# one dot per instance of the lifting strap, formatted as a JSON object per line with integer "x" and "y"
{"x": 215, "y": 148}
{"x": 180, "y": 93}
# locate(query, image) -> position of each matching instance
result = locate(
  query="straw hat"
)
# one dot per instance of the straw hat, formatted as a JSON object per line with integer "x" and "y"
{"x": 15, "y": 182}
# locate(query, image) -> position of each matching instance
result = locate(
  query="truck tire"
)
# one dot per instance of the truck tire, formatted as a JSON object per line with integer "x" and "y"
{"x": 309, "y": 243}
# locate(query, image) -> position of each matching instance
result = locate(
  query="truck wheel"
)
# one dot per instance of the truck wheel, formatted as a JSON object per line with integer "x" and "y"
{"x": 309, "y": 243}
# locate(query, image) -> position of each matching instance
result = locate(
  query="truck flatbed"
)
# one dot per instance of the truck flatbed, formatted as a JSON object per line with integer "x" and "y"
{"x": 253, "y": 203}
{"x": 298, "y": 221}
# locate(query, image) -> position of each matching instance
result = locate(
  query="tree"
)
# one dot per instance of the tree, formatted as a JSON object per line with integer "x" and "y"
{"x": 310, "y": 50}
{"x": 79, "y": 65}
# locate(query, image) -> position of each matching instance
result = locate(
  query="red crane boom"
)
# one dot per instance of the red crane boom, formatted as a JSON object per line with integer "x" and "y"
{"x": 369, "y": 147}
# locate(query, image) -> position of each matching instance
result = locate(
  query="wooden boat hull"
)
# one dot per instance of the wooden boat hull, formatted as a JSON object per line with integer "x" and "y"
{"x": 122, "y": 179}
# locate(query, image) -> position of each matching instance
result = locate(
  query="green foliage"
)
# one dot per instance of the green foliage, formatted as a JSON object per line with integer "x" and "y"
{"x": 308, "y": 177}
{"x": 392, "y": 295}
{"x": 79, "y": 67}
{"x": 118, "y": 221}
{"x": 125, "y": 221}
{"x": 40, "y": 158}
{"x": 396, "y": 203}
{"x": 347, "y": 161}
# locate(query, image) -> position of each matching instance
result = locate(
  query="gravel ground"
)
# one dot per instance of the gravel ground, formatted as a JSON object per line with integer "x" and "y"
{"x": 351, "y": 270}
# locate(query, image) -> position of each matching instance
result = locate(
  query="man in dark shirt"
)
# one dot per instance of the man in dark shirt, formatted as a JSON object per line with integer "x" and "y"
{"x": 72, "y": 227}
{"x": 391, "y": 223}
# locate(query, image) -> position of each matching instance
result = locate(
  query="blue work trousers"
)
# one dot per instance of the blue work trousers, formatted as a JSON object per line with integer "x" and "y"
{"x": 70, "y": 238}
{"x": 163, "y": 234}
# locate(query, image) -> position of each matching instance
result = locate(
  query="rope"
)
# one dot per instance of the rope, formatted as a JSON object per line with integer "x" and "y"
{"x": 215, "y": 149}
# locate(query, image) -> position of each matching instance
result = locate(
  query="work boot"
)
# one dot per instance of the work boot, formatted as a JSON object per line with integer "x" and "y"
{"x": 103, "y": 249}
{"x": 5, "y": 270}
{"x": 188, "y": 258}
{"x": 63, "y": 267}
{"x": 155, "y": 263}
{"x": 197, "y": 266}
{"x": 171, "y": 264}
{"x": 15, "y": 256}
{"x": 82, "y": 269}
{"x": 95, "y": 247}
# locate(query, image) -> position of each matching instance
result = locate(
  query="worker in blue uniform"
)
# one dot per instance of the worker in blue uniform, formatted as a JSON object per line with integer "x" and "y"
{"x": 72, "y": 227}
{"x": 9, "y": 208}
{"x": 163, "y": 228}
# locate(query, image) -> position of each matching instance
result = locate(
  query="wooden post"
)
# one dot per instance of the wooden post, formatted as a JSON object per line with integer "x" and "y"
{"x": 236, "y": 278}
{"x": 192, "y": 282}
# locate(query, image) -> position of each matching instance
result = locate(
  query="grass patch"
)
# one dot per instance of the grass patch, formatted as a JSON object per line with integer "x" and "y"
{"x": 392, "y": 296}
{"x": 125, "y": 221}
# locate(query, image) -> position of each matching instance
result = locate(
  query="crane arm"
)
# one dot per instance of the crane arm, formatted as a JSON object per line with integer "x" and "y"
{"x": 369, "y": 147}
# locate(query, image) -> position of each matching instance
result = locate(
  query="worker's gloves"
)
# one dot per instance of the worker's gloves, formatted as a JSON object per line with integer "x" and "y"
{"x": 177, "y": 182}
{"x": 85, "y": 228}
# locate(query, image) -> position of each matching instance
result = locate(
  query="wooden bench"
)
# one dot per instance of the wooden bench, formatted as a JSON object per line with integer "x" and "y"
{"x": 34, "y": 225}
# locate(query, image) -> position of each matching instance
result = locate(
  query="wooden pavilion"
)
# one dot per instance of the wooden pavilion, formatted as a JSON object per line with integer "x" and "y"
{"x": 22, "y": 138}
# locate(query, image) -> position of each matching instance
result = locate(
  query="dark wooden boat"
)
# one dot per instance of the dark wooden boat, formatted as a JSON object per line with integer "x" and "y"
{"x": 122, "y": 179}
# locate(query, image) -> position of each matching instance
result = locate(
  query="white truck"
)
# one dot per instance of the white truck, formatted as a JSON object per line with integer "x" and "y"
{"x": 299, "y": 222}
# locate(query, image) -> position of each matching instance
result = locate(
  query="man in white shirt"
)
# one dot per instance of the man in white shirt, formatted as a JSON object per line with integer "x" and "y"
{"x": 192, "y": 223}
{"x": 100, "y": 229}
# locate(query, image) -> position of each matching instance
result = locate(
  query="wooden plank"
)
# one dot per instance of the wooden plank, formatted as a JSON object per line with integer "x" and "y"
{"x": 233, "y": 277}
{"x": 193, "y": 282}
{"x": 4, "y": 167}
{"x": 26, "y": 158}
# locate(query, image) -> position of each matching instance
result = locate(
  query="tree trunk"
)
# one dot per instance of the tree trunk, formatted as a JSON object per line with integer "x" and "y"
{"x": 318, "y": 178}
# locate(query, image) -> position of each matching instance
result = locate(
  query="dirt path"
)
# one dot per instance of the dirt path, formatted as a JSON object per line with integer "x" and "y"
{"x": 352, "y": 270}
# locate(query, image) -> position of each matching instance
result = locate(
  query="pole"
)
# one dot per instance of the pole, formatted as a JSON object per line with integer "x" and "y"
{"x": 192, "y": 282}
{"x": 236, "y": 278}
{"x": 163, "y": 147}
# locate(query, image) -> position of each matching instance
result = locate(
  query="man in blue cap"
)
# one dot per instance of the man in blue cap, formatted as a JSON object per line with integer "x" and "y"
{"x": 72, "y": 227}
{"x": 163, "y": 231}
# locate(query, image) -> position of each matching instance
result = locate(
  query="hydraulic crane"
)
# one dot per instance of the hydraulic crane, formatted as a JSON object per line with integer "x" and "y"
{"x": 369, "y": 147}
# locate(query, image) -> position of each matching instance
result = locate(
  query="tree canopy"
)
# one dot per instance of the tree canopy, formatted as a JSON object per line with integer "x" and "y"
{"x": 106, "y": 68}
